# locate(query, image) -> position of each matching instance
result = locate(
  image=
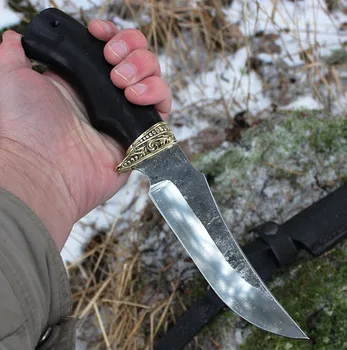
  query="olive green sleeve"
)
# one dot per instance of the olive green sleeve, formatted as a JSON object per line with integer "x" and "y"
{"x": 35, "y": 297}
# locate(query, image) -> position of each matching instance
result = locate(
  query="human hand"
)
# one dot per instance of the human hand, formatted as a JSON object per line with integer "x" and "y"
{"x": 50, "y": 156}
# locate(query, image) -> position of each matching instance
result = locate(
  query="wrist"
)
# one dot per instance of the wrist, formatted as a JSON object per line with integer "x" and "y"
{"x": 32, "y": 179}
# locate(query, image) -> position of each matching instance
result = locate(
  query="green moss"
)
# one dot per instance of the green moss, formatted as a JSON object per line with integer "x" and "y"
{"x": 288, "y": 146}
{"x": 338, "y": 56}
{"x": 327, "y": 137}
{"x": 195, "y": 289}
{"x": 315, "y": 295}
{"x": 224, "y": 320}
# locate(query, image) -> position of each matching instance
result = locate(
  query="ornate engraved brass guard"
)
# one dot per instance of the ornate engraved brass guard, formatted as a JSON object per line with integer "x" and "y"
{"x": 154, "y": 140}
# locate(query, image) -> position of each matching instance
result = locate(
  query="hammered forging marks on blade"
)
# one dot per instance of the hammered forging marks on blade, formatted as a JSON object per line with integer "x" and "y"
{"x": 183, "y": 197}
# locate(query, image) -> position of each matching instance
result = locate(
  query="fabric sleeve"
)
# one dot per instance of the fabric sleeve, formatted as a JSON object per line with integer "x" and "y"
{"x": 35, "y": 297}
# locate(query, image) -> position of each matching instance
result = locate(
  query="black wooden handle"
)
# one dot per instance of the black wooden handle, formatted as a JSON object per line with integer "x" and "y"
{"x": 61, "y": 43}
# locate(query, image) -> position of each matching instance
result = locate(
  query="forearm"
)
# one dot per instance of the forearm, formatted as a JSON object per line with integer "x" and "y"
{"x": 40, "y": 187}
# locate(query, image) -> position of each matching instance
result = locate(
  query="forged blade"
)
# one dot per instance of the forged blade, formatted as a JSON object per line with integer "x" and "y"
{"x": 183, "y": 197}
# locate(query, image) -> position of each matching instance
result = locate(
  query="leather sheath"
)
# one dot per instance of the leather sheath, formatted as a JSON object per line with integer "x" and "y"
{"x": 316, "y": 229}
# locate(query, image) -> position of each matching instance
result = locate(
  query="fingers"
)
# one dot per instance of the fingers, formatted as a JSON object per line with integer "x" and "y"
{"x": 102, "y": 30}
{"x": 151, "y": 91}
{"x": 138, "y": 65}
{"x": 136, "y": 69}
{"x": 122, "y": 44}
{"x": 12, "y": 54}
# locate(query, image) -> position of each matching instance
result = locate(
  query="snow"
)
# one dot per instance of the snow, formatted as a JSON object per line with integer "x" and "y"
{"x": 228, "y": 80}
{"x": 308, "y": 24}
{"x": 69, "y": 6}
{"x": 124, "y": 24}
{"x": 304, "y": 102}
{"x": 81, "y": 345}
{"x": 7, "y": 16}
{"x": 300, "y": 26}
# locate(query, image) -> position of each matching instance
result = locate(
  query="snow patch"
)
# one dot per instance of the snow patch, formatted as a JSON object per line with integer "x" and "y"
{"x": 304, "y": 102}
{"x": 229, "y": 80}
{"x": 123, "y": 24}
{"x": 69, "y": 6}
{"x": 307, "y": 24}
{"x": 7, "y": 16}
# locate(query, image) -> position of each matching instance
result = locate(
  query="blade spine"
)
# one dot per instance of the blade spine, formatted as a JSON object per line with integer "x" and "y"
{"x": 162, "y": 184}
{"x": 155, "y": 178}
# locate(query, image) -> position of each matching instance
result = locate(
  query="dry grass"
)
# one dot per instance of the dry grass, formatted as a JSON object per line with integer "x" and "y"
{"x": 193, "y": 33}
{"x": 113, "y": 308}
{"x": 172, "y": 22}
{"x": 190, "y": 33}
{"x": 108, "y": 284}
{"x": 322, "y": 81}
{"x": 109, "y": 289}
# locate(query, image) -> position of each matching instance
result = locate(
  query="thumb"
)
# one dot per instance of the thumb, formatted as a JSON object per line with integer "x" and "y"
{"x": 12, "y": 54}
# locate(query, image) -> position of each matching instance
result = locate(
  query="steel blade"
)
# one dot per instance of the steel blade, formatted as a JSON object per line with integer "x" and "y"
{"x": 182, "y": 195}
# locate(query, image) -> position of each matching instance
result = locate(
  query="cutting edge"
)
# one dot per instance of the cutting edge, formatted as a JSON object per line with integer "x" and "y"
{"x": 192, "y": 194}
{"x": 241, "y": 297}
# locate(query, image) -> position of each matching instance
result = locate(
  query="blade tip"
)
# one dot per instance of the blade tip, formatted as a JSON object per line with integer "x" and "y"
{"x": 300, "y": 335}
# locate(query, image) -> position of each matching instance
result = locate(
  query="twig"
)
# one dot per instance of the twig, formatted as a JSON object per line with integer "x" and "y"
{"x": 85, "y": 312}
{"x": 102, "y": 326}
{"x": 285, "y": 170}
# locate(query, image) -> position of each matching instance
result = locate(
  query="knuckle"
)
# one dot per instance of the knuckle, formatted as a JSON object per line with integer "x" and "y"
{"x": 140, "y": 36}
{"x": 165, "y": 84}
{"x": 148, "y": 57}
{"x": 161, "y": 83}
{"x": 110, "y": 23}
{"x": 135, "y": 35}
{"x": 139, "y": 55}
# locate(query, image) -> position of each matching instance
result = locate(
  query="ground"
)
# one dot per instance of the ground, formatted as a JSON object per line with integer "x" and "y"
{"x": 314, "y": 293}
{"x": 259, "y": 107}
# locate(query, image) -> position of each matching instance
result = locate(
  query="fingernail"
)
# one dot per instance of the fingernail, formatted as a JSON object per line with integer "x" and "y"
{"x": 11, "y": 34}
{"x": 138, "y": 89}
{"x": 119, "y": 48}
{"x": 126, "y": 71}
{"x": 105, "y": 26}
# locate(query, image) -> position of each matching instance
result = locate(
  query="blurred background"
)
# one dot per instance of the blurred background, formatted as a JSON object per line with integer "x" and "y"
{"x": 259, "y": 106}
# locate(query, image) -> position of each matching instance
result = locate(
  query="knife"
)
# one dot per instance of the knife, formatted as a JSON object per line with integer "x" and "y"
{"x": 178, "y": 190}
{"x": 316, "y": 229}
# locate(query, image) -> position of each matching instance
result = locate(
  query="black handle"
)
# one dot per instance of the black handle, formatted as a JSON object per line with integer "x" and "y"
{"x": 61, "y": 43}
